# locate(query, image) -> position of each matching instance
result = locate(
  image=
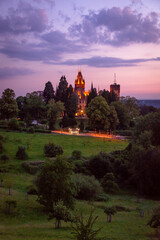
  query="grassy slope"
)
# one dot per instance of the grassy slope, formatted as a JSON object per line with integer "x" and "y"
{"x": 30, "y": 221}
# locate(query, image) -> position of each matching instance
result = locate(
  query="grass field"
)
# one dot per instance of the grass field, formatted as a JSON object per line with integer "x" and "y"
{"x": 30, "y": 222}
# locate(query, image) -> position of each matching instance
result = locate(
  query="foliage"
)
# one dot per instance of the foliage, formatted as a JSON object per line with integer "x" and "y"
{"x": 88, "y": 188}
{"x": 108, "y": 183}
{"x": 122, "y": 114}
{"x": 32, "y": 167}
{"x": 60, "y": 212}
{"x": 83, "y": 230}
{"x": 131, "y": 104}
{"x": 76, "y": 154}
{"x": 146, "y": 170}
{"x": 61, "y": 92}
{"x": 4, "y": 158}
{"x": 54, "y": 183}
{"x": 13, "y": 124}
{"x": 92, "y": 95}
{"x": 8, "y": 105}
{"x": 31, "y": 130}
{"x": 21, "y": 153}
{"x": 68, "y": 122}
{"x": 34, "y": 107}
{"x": 10, "y": 206}
{"x": 48, "y": 92}
{"x": 113, "y": 118}
{"x": 52, "y": 150}
{"x": 54, "y": 111}
{"x": 81, "y": 125}
{"x": 154, "y": 222}
{"x": 100, "y": 164}
{"x": 32, "y": 190}
{"x": 109, "y": 211}
{"x": 71, "y": 106}
{"x": 98, "y": 113}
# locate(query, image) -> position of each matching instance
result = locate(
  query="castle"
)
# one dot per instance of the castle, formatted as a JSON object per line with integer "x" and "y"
{"x": 81, "y": 94}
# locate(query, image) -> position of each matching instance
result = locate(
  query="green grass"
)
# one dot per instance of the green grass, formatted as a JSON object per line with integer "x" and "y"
{"x": 29, "y": 221}
{"x": 34, "y": 144}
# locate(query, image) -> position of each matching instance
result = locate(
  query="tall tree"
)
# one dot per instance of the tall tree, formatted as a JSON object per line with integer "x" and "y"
{"x": 61, "y": 92}
{"x": 92, "y": 94}
{"x": 113, "y": 118}
{"x": 54, "y": 111}
{"x": 34, "y": 107}
{"x": 54, "y": 184}
{"x": 48, "y": 92}
{"x": 8, "y": 105}
{"x": 98, "y": 113}
{"x": 122, "y": 114}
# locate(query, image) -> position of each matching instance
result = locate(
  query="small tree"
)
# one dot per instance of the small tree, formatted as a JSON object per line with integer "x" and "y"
{"x": 10, "y": 206}
{"x": 60, "y": 212}
{"x": 83, "y": 230}
{"x": 21, "y": 153}
{"x": 54, "y": 183}
{"x": 109, "y": 211}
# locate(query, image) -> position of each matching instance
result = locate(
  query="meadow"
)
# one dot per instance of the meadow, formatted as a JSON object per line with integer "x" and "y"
{"x": 29, "y": 220}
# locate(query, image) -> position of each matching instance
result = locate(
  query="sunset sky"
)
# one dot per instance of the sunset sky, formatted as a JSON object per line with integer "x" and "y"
{"x": 41, "y": 40}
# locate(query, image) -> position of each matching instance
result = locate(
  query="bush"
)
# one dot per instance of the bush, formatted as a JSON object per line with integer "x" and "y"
{"x": 42, "y": 131}
{"x": 52, "y": 150}
{"x": 13, "y": 124}
{"x": 76, "y": 154}
{"x": 32, "y": 190}
{"x": 102, "y": 198}
{"x": 21, "y": 153}
{"x": 100, "y": 164}
{"x": 31, "y": 130}
{"x": 4, "y": 158}
{"x": 88, "y": 188}
{"x": 32, "y": 167}
{"x": 108, "y": 183}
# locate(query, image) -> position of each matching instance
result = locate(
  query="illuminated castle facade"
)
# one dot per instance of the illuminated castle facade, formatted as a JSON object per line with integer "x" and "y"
{"x": 81, "y": 94}
{"x": 79, "y": 90}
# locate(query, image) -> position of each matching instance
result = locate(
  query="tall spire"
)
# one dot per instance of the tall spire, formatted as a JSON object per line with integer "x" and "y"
{"x": 91, "y": 85}
{"x": 114, "y": 78}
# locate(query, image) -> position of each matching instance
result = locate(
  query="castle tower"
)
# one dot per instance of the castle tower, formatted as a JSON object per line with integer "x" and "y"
{"x": 115, "y": 88}
{"x": 81, "y": 94}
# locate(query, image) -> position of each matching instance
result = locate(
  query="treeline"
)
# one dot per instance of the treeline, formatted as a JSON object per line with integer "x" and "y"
{"x": 103, "y": 110}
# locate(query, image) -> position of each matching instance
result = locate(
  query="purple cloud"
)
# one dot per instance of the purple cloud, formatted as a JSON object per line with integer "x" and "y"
{"x": 117, "y": 27}
{"x": 25, "y": 18}
{"x": 6, "y": 72}
{"x": 107, "y": 62}
{"x": 51, "y": 48}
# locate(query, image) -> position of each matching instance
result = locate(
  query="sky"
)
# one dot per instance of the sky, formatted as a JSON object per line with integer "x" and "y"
{"x": 41, "y": 40}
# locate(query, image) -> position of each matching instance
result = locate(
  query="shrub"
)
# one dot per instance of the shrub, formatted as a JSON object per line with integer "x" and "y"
{"x": 21, "y": 153}
{"x": 31, "y": 130}
{"x": 32, "y": 167}
{"x": 102, "y": 198}
{"x": 60, "y": 212}
{"x": 13, "y": 124}
{"x": 100, "y": 164}
{"x": 83, "y": 229}
{"x": 4, "y": 158}
{"x": 88, "y": 188}
{"x": 32, "y": 190}
{"x": 76, "y": 154}
{"x": 52, "y": 150}
{"x": 10, "y": 206}
{"x": 109, "y": 211}
{"x": 108, "y": 183}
